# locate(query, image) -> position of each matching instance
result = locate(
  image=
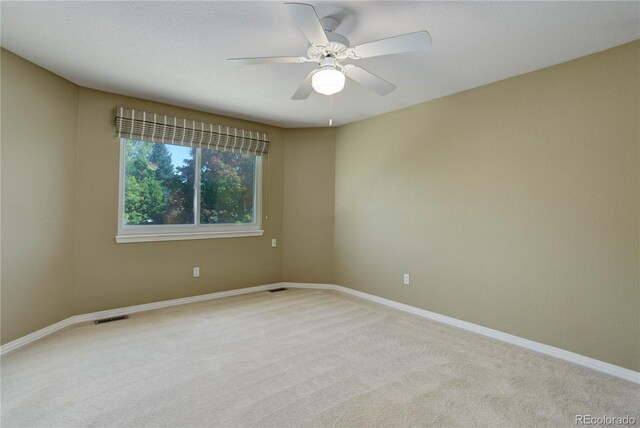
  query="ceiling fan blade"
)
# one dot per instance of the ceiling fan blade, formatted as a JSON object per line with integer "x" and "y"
{"x": 266, "y": 60}
{"x": 305, "y": 88}
{"x": 368, "y": 79}
{"x": 308, "y": 22}
{"x": 418, "y": 41}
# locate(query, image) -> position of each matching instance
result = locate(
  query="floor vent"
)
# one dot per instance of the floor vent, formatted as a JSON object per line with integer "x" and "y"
{"x": 104, "y": 320}
{"x": 275, "y": 290}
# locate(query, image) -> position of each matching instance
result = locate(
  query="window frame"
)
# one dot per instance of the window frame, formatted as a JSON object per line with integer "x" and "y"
{"x": 178, "y": 232}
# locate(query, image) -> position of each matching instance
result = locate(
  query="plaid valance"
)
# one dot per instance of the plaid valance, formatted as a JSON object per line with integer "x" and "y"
{"x": 160, "y": 128}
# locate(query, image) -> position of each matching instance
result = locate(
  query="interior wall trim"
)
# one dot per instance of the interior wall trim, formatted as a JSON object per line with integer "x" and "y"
{"x": 592, "y": 363}
{"x": 76, "y": 319}
{"x": 552, "y": 351}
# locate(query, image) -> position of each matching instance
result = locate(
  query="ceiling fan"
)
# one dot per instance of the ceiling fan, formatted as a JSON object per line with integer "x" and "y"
{"x": 330, "y": 49}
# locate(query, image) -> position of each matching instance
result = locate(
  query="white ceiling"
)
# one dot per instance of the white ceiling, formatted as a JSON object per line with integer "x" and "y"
{"x": 175, "y": 52}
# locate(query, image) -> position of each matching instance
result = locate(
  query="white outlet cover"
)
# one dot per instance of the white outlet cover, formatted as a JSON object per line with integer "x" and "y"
{"x": 274, "y": 243}
{"x": 196, "y": 272}
{"x": 405, "y": 279}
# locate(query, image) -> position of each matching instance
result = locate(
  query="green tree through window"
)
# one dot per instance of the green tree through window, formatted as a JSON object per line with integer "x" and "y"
{"x": 226, "y": 187}
{"x": 160, "y": 179}
{"x": 144, "y": 195}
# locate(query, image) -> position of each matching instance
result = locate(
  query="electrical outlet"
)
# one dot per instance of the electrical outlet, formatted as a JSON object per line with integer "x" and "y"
{"x": 196, "y": 272}
{"x": 274, "y": 243}
{"x": 405, "y": 279}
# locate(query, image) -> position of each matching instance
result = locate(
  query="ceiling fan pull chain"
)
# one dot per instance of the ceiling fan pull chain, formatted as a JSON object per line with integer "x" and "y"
{"x": 330, "y": 110}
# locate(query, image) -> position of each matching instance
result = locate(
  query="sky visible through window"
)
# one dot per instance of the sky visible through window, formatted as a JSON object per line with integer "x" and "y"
{"x": 178, "y": 154}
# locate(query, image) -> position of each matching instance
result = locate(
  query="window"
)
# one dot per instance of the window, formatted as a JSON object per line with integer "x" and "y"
{"x": 170, "y": 192}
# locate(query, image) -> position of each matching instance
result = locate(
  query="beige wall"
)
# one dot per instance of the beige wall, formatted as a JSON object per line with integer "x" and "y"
{"x": 309, "y": 205}
{"x": 109, "y": 275}
{"x": 39, "y": 125}
{"x": 513, "y": 205}
{"x": 59, "y": 211}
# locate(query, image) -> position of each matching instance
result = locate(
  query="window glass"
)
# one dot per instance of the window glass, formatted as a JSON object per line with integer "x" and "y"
{"x": 181, "y": 191}
{"x": 227, "y": 183}
{"x": 159, "y": 181}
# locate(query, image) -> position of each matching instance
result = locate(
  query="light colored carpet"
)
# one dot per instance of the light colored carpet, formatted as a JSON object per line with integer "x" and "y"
{"x": 294, "y": 358}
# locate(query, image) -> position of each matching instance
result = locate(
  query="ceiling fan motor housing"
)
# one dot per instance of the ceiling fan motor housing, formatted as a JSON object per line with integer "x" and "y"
{"x": 329, "y": 23}
{"x": 328, "y": 63}
{"x": 337, "y": 48}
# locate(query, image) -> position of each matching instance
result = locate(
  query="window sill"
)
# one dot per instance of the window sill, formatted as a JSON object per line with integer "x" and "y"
{"x": 155, "y": 237}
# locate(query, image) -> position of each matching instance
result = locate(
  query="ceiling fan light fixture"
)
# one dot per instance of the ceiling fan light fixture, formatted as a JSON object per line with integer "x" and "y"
{"x": 328, "y": 81}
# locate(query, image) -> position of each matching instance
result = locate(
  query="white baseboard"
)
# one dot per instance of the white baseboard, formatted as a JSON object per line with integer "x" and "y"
{"x": 39, "y": 334}
{"x": 552, "y": 351}
{"x": 25, "y": 340}
{"x": 601, "y": 366}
